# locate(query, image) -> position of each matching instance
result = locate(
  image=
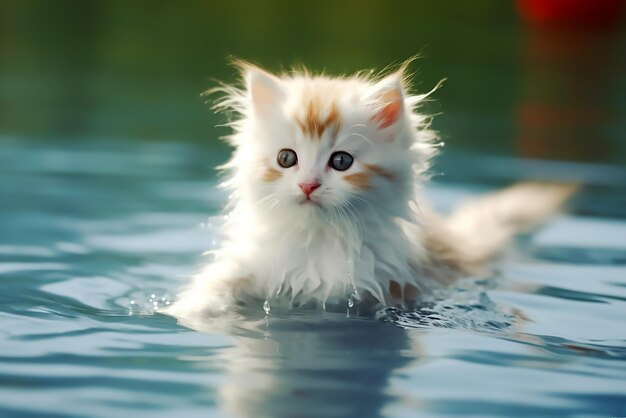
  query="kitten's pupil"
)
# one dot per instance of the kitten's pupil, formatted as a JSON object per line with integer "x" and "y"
{"x": 287, "y": 158}
{"x": 341, "y": 160}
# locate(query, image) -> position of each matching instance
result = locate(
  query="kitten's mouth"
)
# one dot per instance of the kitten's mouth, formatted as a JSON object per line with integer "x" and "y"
{"x": 310, "y": 202}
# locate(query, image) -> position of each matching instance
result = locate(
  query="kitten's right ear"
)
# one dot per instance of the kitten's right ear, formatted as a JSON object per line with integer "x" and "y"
{"x": 265, "y": 90}
{"x": 388, "y": 100}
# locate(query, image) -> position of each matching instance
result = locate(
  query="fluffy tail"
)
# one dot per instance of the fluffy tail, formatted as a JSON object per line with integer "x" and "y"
{"x": 479, "y": 229}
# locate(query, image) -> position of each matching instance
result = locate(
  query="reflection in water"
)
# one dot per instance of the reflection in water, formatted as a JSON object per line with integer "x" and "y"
{"x": 307, "y": 363}
{"x": 303, "y": 364}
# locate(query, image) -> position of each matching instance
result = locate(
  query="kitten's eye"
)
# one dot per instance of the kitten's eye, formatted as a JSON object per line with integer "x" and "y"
{"x": 341, "y": 161}
{"x": 287, "y": 158}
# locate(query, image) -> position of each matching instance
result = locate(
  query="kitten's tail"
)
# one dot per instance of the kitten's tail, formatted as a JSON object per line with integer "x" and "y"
{"x": 479, "y": 229}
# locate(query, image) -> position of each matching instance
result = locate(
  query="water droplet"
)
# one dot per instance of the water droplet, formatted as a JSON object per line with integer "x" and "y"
{"x": 350, "y": 302}
{"x": 153, "y": 296}
{"x": 132, "y": 302}
{"x": 266, "y": 307}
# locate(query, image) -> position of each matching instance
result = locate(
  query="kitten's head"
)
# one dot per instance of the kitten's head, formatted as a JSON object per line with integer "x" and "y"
{"x": 320, "y": 145}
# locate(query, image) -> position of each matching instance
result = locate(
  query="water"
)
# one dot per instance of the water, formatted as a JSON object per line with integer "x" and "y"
{"x": 98, "y": 235}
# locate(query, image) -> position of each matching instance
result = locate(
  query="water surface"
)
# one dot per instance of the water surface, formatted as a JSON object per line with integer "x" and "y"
{"x": 98, "y": 235}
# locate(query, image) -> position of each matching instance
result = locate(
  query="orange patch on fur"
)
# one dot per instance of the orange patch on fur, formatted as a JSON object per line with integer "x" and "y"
{"x": 378, "y": 170}
{"x": 359, "y": 180}
{"x": 271, "y": 174}
{"x": 314, "y": 125}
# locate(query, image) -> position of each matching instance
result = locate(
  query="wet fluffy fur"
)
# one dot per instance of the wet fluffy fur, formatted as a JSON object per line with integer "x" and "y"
{"x": 365, "y": 232}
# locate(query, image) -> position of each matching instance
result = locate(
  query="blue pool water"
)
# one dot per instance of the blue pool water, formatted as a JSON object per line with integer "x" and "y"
{"x": 96, "y": 237}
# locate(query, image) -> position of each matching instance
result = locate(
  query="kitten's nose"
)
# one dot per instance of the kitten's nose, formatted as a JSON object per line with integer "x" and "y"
{"x": 308, "y": 188}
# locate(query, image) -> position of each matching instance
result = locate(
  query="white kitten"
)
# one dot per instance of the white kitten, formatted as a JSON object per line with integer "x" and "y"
{"x": 324, "y": 201}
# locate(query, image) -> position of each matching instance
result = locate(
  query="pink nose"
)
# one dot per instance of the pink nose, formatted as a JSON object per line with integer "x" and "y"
{"x": 308, "y": 188}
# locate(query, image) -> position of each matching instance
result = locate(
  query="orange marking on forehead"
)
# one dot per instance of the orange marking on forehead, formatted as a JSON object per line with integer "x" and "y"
{"x": 359, "y": 180}
{"x": 271, "y": 174}
{"x": 313, "y": 124}
{"x": 378, "y": 170}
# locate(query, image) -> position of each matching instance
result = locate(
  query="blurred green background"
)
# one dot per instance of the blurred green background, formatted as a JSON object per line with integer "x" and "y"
{"x": 134, "y": 70}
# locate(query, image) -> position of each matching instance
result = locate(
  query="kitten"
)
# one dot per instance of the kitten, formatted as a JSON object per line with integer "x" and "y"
{"x": 325, "y": 202}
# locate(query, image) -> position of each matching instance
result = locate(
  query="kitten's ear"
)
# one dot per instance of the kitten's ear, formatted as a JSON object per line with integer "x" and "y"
{"x": 387, "y": 99}
{"x": 265, "y": 90}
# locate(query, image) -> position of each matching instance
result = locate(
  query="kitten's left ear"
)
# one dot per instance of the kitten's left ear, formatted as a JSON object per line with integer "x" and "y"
{"x": 265, "y": 90}
{"x": 387, "y": 99}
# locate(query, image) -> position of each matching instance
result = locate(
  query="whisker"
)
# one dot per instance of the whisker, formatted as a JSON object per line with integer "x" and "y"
{"x": 367, "y": 202}
{"x": 361, "y": 136}
{"x": 354, "y": 214}
{"x": 356, "y": 125}
{"x": 268, "y": 203}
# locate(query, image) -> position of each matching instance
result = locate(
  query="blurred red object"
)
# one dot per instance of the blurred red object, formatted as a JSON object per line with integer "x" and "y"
{"x": 571, "y": 66}
{"x": 577, "y": 12}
